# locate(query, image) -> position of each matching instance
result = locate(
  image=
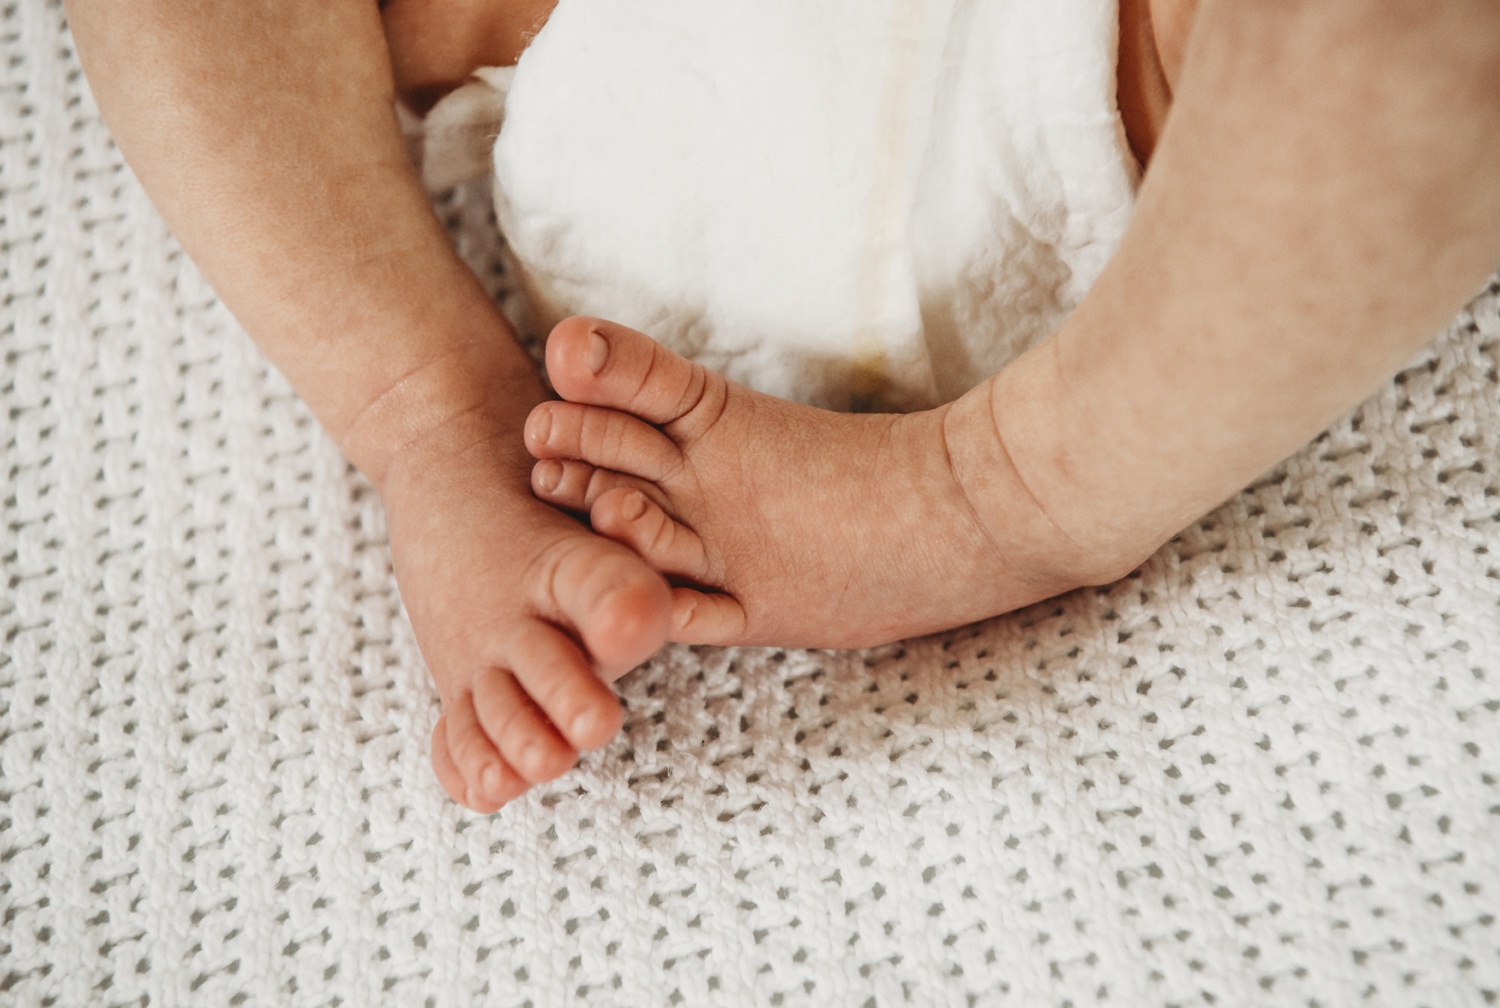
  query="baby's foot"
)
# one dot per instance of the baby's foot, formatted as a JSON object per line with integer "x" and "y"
{"x": 806, "y": 527}
{"x": 522, "y": 614}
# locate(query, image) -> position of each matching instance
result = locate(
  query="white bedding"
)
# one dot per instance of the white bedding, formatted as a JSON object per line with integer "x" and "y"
{"x": 1262, "y": 770}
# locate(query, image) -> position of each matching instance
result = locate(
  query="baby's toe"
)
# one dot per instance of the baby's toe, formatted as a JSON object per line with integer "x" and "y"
{"x": 488, "y": 781}
{"x": 559, "y": 679}
{"x": 522, "y": 733}
{"x": 620, "y": 607}
{"x": 708, "y": 618}
{"x": 446, "y": 770}
{"x": 599, "y": 362}
{"x": 602, "y": 437}
{"x": 629, "y": 516}
{"x": 575, "y": 485}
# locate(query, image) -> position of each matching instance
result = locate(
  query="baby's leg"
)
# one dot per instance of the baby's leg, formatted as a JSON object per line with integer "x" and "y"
{"x": 266, "y": 135}
{"x": 1305, "y": 227}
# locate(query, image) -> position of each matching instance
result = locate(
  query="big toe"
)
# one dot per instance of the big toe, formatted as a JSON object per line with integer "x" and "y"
{"x": 605, "y": 364}
{"x": 620, "y": 608}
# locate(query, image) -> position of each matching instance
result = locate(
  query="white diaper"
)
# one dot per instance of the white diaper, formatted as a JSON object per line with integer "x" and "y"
{"x": 852, "y": 203}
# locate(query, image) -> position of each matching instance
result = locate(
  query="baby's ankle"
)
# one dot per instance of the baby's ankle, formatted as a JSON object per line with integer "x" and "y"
{"x": 1051, "y": 556}
{"x": 438, "y": 411}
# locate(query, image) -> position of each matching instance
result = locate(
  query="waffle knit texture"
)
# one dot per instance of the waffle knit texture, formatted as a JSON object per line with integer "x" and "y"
{"x": 1261, "y": 770}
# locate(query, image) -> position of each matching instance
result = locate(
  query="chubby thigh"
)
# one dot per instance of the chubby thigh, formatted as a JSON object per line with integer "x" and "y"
{"x": 436, "y": 44}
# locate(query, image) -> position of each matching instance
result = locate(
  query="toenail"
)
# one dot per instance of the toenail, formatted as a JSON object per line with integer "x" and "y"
{"x": 548, "y": 475}
{"x": 634, "y": 507}
{"x": 583, "y": 726}
{"x": 539, "y": 426}
{"x": 598, "y": 352}
{"x": 531, "y": 758}
{"x": 489, "y": 781}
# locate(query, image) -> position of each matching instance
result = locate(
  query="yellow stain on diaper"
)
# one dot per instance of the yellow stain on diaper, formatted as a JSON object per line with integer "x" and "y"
{"x": 870, "y": 364}
{"x": 868, "y": 378}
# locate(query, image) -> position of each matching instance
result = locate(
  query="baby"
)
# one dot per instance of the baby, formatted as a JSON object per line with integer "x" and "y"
{"x": 1324, "y": 195}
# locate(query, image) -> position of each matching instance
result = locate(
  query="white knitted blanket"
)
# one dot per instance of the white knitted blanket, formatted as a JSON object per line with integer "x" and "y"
{"x": 1261, "y": 770}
